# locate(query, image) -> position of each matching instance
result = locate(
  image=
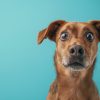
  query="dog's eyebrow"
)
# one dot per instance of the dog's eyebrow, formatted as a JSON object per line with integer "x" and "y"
{"x": 72, "y": 28}
{"x": 86, "y": 28}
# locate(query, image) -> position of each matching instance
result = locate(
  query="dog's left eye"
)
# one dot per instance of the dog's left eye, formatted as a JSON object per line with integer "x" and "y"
{"x": 89, "y": 36}
{"x": 64, "y": 36}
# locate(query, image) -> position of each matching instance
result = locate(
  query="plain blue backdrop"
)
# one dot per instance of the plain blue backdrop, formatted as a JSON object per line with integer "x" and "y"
{"x": 26, "y": 69}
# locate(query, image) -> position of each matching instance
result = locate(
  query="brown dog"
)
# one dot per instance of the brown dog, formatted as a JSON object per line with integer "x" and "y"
{"x": 76, "y": 49}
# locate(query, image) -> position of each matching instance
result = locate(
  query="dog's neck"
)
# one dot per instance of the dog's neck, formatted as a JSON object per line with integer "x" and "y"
{"x": 75, "y": 85}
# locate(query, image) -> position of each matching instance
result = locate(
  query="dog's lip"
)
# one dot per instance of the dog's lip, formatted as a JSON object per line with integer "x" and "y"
{"x": 76, "y": 64}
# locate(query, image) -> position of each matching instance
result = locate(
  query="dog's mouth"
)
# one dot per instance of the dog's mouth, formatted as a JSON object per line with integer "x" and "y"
{"x": 75, "y": 64}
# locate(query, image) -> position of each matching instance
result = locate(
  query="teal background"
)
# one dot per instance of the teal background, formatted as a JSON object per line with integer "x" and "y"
{"x": 27, "y": 69}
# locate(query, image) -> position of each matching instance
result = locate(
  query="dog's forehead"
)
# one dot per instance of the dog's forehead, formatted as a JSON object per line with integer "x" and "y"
{"x": 75, "y": 25}
{"x": 77, "y": 28}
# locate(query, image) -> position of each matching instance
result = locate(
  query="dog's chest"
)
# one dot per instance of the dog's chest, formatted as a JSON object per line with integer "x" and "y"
{"x": 72, "y": 95}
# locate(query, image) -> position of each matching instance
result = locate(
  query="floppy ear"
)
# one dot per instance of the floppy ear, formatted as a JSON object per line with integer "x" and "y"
{"x": 50, "y": 31}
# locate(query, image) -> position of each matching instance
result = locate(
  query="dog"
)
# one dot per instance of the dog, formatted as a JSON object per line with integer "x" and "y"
{"x": 75, "y": 57}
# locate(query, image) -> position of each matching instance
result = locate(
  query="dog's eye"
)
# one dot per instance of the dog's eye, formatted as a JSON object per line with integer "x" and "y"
{"x": 64, "y": 36}
{"x": 89, "y": 36}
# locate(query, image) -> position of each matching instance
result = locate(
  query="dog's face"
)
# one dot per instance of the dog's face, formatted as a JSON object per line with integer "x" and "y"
{"x": 76, "y": 43}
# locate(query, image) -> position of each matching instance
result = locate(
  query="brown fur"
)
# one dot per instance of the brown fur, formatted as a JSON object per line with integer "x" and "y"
{"x": 73, "y": 85}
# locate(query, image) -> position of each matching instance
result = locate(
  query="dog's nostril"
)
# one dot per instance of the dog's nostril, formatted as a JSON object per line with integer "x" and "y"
{"x": 81, "y": 51}
{"x": 72, "y": 51}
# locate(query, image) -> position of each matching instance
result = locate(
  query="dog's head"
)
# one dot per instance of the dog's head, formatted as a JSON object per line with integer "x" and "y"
{"x": 76, "y": 43}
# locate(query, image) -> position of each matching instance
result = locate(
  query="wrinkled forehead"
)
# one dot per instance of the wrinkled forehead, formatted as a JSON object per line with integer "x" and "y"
{"x": 77, "y": 27}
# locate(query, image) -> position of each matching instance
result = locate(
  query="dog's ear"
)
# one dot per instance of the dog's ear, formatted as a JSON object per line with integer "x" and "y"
{"x": 50, "y": 31}
{"x": 96, "y": 24}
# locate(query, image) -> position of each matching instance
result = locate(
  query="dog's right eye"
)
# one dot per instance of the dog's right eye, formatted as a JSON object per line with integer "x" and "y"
{"x": 64, "y": 36}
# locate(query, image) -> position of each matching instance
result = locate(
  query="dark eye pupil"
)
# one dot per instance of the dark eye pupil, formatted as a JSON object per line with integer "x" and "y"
{"x": 89, "y": 37}
{"x": 64, "y": 36}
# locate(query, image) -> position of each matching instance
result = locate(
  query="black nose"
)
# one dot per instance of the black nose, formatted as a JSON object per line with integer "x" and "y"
{"x": 76, "y": 50}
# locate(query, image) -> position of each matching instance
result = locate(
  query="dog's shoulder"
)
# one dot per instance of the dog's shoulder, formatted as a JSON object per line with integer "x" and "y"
{"x": 53, "y": 91}
{"x": 53, "y": 88}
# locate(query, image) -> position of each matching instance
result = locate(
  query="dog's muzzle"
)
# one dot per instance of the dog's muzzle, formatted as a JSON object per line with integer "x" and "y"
{"x": 76, "y": 62}
{"x": 76, "y": 59}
